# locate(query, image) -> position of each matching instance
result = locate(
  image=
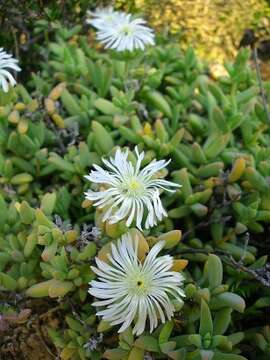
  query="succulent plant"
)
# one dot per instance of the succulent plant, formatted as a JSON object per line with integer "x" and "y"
{"x": 82, "y": 106}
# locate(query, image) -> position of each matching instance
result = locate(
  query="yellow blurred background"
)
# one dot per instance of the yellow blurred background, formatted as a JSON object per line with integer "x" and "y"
{"x": 213, "y": 27}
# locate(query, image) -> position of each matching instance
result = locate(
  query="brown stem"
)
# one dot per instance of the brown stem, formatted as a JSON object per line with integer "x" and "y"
{"x": 228, "y": 259}
{"x": 260, "y": 82}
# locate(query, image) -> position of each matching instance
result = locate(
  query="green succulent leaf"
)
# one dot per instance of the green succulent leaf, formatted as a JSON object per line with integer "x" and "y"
{"x": 206, "y": 324}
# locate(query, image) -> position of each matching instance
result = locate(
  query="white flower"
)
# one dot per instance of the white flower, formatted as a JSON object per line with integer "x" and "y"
{"x": 104, "y": 17}
{"x": 7, "y": 62}
{"x": 130, "y": 192}
{"x": 126, "y": 34}
{"x": 134, "y": 291}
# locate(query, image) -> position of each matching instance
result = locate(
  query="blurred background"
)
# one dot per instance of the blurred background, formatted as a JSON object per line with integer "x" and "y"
{"x": 215, "y": 28}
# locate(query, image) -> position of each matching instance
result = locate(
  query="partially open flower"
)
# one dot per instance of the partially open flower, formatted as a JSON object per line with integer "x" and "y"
{"x": 132, "y": 291}
{"x": 130, "y": 192}
{"x": 7, "y": 62}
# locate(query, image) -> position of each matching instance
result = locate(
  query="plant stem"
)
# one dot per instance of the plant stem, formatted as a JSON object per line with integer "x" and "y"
{"x": 260, "y": 82}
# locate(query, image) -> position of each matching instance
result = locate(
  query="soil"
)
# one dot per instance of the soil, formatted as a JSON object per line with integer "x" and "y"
{"x": 23, "y": 329}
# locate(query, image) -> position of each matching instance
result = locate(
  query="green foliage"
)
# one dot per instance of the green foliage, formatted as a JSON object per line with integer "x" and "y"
{"x": 79, "y": 108}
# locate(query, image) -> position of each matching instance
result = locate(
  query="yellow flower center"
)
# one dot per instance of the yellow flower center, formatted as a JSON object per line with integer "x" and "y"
{"x": 141, "y": 287}
{"x": 134, "y": 185}
{"x": 126, "y": 30}
{"x": 139, "y": 283}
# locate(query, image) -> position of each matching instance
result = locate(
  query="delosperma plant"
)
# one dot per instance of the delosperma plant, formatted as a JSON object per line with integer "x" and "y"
{"x": 137, "y": 210}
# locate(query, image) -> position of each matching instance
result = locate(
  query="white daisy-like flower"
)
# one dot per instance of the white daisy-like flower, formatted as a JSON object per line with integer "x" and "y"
{"x": 132, "y": 291}
{"x": 104, "y": 17}
{"x": 7, "y": 62}
{"x": 127, "y": 34}
{"x": 130, "y": 192}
